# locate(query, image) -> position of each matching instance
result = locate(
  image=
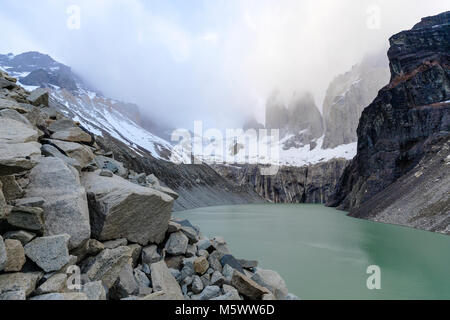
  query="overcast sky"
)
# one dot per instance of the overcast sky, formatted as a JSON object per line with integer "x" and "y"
{"x": 211, "y": 60}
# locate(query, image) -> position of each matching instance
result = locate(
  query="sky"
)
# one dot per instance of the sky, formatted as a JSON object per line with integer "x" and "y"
{"x": 210, "y": 60}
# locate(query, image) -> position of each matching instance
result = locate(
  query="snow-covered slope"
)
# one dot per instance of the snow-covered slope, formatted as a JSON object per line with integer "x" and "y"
{"x": 79, "y": 101}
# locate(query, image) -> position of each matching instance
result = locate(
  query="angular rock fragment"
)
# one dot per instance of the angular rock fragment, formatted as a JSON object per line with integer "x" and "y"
{"x": 18, "y": 157}
{"x": 247, "y": 287}
{"x": 74, "y": 134}
{"x": 177, "y": 244}
{"x": 107, "y": 265}
{"x": 38, "y": 97}
{"x": 50, "y": 151}
{"x": 163, "y": 280}
{"x": 27, "y": 218}
{"x": 120, "y": 208}
{"x": 49, "y": 253}
{"x": 83, "y": 154}
{"x": 55, "y": 284}
{"x": 94, "y": 290}
{"x": 150, "y": 255}
{"x": 23, "y": 236}
{"x": 65, "y": 208}
{"x": 208, "y": 293}
{"x": 15, "y": 255}
{"x": 272, "y": 281}
{"x": 13, "y": 131}
{"x": 69, "y": 296}
{"x": 19, "y": 281}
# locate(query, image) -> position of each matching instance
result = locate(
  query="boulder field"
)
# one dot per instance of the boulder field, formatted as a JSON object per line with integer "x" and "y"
{"x": 76, "y": 224}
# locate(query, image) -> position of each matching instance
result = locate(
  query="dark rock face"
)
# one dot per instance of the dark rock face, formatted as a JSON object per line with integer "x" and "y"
{"x": 411, "y": 111}
{"x": 308, "y": 184}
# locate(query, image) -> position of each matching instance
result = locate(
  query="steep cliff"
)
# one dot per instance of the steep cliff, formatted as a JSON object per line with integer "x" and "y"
{"x": 409, "y": 117}
{"x": 307, "y": 184}
{"x": 348, "y": 95}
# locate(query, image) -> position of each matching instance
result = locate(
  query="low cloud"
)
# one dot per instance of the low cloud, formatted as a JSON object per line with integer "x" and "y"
{"x": 215, "y": 61}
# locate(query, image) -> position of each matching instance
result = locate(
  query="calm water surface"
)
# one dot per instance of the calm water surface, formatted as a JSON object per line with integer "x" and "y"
{"x": 323, "y": 254}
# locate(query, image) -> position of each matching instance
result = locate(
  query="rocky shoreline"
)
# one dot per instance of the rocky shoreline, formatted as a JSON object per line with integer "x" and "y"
{"x": 76, "y": 224}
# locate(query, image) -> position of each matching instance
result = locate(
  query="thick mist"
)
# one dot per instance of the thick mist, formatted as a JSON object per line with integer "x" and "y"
{"x": 215, "y": 61}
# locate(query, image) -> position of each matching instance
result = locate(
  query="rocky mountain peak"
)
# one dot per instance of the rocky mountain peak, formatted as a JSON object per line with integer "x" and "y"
{"x": 407, "y": 121}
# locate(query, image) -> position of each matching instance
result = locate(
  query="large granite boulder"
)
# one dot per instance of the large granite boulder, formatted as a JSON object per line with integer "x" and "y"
{"x": 18, "y": 157}
{"x": 163, "y": 280}
{"x": 65, "y": 209}
{"x": 121, "y": 209}
{"x": 49, "y": 253}
{"x": 83, "y": 154}
{"x": 13, "y": 131}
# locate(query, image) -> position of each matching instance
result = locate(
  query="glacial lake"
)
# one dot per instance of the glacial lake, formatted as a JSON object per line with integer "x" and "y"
{"x": 324, "y": 254}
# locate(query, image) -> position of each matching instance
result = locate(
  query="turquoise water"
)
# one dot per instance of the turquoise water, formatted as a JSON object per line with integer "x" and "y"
{"x": 323, "y": 254}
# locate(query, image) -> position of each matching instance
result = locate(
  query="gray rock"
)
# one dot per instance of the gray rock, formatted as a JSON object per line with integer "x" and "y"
{"x": 61, "y": 125}
{"x": 3, "y": 256}
{"x": 145, "y": 291}
{"x": 214, "y": 260}
{"x": 112, "y": 244}
{"x": 217, "y": 279}
{"x": 177, "y": 244}
{"x": 23, "y": 236}
{"x": 14, "y": 115}
{"x": 50, "y": 151}
{"x": 204, "y": 253}
{"x": 232, "y": 262}
{"x": 228, "y": 272}
{"x": 39, "y": 97}
{"x": 135, "y": 252}
{"x": 204, "y": 244}
{"x": 65, "y": 209}
{"x": 94, "y": 290}
{"x": 13, "y": 105}
{"x": 120, "y": 208}
{"x": 13, "y": 295}
{"x": 176, "y": 274}
{"x": 191, "y": 251}
{"x": 26, "y": 218}
{"x": 227, "y": 289}
{"x": 69, "y": 296}
{"x": 83, "y": 154}
{"x": 272, "y": 281}
{"x": 248, "y": 264}
{"x": 107, "y": 265}
{"x": 11, "y": 189}
{"x": 161, "y": 295}
{"x": 167, "y": 191}
{"x": 112, "y": 165}
{"x": 49, "y": 253}
{"x": 268, "y": 297}
{"x": 220, "y": 245}
{"x": 206, "y": 280}
{"x": 15, "y": 255}
{"x": 173, "y": 227}
{"x": 153, "y": 180}
{"x": 5, "y": 84}
{"x": 19, "y": 281}
{"x": 191, "y": 233}
{"x": 89, "y": 247}
{"x": 150, "y": 255}
{"x": 74, "y": 134}
{"x": 126, "y": 284}
{"x": 30, "y": 202}
{"x": 55, "y": 284}
{"x": 18, "y": 157}
{"x": 208, "y": 293}
{"x": 163, "y": 280}
{"x": 197, "y": 285}
{"x": 141, "y": 278}
{"x": 13, "y": 131}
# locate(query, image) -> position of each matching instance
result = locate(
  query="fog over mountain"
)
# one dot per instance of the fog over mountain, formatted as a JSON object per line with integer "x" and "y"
{"x": 216, "y": 61}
